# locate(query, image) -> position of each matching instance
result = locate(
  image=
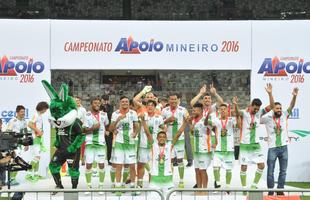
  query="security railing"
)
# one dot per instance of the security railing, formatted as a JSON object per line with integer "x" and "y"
{"x": 74, "y": 194}
{"x": 153, "y": 194}
{"x": 229, "y": 194}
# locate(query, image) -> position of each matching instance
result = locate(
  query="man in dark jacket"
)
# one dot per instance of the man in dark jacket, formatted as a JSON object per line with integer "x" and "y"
{"x": 108, "y": 108}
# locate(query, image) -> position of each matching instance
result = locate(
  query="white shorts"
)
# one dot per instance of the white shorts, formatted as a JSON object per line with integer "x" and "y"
{"x": 251, "y": 154}
{"x": 179, "y": 149}
{"x": 144, "y": 155}
{"x": 36, "y": 149}
{"x": 95, "y": 153}
{"x": 124, "y": 154}
{"x": 224, "y": 160}
{"x": 202, "y": 160}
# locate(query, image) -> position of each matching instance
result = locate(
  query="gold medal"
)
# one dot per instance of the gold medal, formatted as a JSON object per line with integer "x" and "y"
{"x": 278, "y": 125}
{"x": 252, "y": 125}
{"x": 161, "y": 161}
{"x": 223, "y": 132}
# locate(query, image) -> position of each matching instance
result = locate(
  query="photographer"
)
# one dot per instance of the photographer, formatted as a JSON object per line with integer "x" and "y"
{"x": 18, "y": 124}
{"x": 3, "y": 161}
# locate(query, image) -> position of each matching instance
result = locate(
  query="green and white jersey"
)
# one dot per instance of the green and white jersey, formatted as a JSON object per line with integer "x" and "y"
{"x": 225, "y": 134}
{"x": 17, "y": 125}
{"x": 202, "y": 137}
{"x": 154, "y": 123}
{"x": 161, "y": 159}
{"x": 212, "y": 116}
{"x": 212, "y": 109}
{"x": 179, "y": 114}
{"x": 81, "y": 112}
{"x": 37, "y": 120}
{"x": 249, "y": 124}
{"x": 97, "y": 137}
{"x": 276, "y": 129}
{"x": 124, "y": 127}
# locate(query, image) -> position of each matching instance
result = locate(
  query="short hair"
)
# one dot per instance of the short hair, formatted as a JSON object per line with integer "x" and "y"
{"x": 198, "y": 105}
{"x": 174, "y": 94}
{"x": 277, "y": 103}
{"x": 105, "y": 97}
{"x": 224, "y": 104}
{"x": 19, "y": 108}
{"x": 256, "y": 102}
{"x": 161, "y": 132}
{"x": 77, "y": 97}
{"x": 152, "y": 102}
{"x": 92, "y": 99}
{"x": 0, "y": 121}
{"x": 123, "y": 97}
{"x": 42, "y": 105}
{"x": 163, "y": 99}
{"x": 207, "y": 94}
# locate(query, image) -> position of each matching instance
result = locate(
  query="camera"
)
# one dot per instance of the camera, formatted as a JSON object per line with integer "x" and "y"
{"x": 11, "y": 140}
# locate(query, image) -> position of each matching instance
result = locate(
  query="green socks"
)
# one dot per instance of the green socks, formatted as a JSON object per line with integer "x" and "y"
{"x": 147, "y": 167}
{"x": 181, "y": 171}
{"x": 140, "y": 182}
{"x": 112, "y": 174}
{"x": 88, "y": 175}
{"x": 228, "y": 177}
{"x": 125, "y": 174}
{"x": 243, "y": 178}
{"x": 258, "y": 175}
{"x": 217, "y": 175}
{"x": 101, "y": 175}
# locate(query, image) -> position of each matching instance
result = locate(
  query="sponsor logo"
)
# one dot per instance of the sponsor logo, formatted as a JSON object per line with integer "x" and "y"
{"x": 7, "y": 115}
{"x": 22, "y": 68}
{"x": 290, "y": 69}
{"x": 131, "y": 46}
{"x": 294, "y": 114}
{"x": 298, "y": 134}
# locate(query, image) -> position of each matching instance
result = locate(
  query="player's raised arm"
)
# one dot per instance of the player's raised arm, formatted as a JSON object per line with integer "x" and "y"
{"x": 137, "y": 98}
{"x": 293, "y": 101}
{"x": 236, "y": 106}
{"x": 268, "y": 89}
{"x": 202, "y": 91}
{"x": 219, "y": 99}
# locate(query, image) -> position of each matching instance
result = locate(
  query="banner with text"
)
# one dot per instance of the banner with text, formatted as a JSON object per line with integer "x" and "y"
{"x": 24, "y": 53}
{"x": 281, "y": 57}
{"x": 150, "y": 45}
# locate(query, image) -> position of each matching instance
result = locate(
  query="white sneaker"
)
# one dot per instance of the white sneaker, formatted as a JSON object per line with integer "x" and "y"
{"x": 100, "y": 188}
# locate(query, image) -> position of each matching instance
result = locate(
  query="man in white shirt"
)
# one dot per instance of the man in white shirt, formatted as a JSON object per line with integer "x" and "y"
{"x": 18, "y": 124}
{"x": 276, "y": 122}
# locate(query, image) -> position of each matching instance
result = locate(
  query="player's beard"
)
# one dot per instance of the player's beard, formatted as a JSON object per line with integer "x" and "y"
{"x": 278, "y": 114}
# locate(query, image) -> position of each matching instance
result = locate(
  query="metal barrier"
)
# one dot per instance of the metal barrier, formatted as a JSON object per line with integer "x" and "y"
{"x": 74, "y": 194}
{"x": 205, "y": 194}
{"x": 252, "y": 194}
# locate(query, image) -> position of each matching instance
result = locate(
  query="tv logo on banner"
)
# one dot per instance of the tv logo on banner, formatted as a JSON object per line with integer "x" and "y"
{"x": 292, "y": 69}
{"x": 22, "y": 68}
